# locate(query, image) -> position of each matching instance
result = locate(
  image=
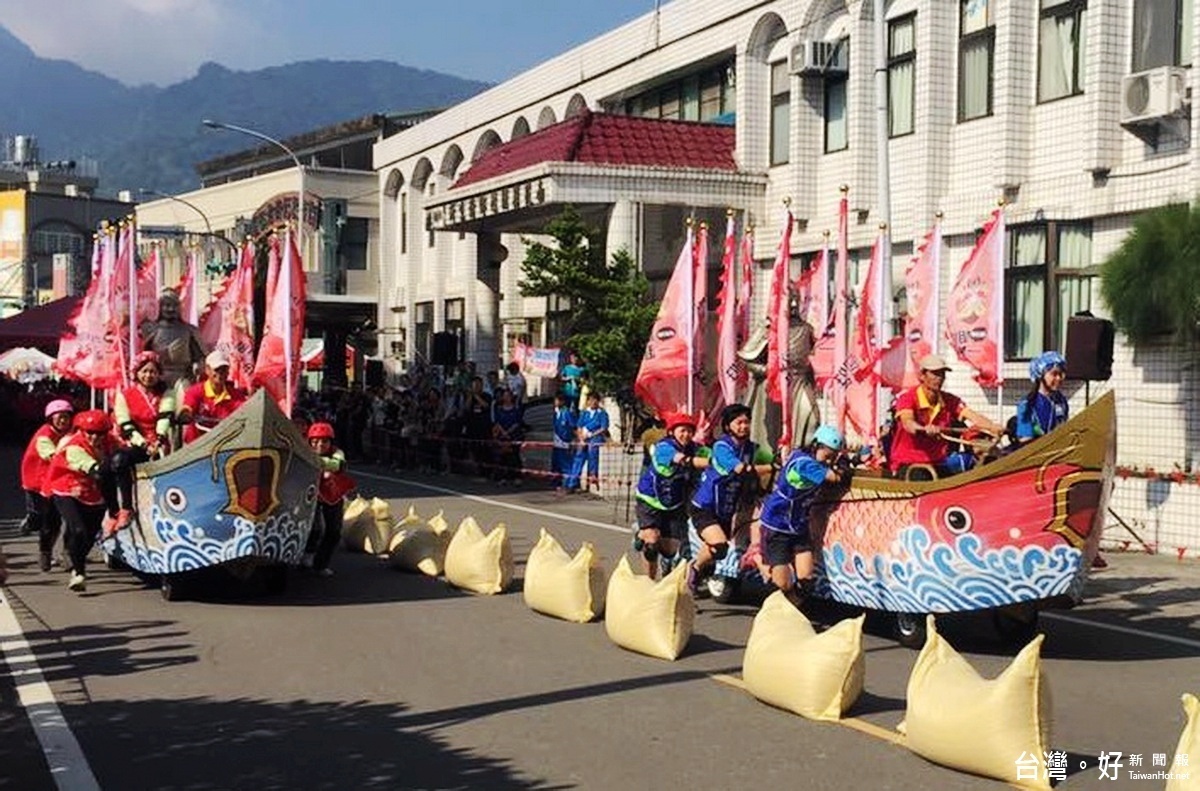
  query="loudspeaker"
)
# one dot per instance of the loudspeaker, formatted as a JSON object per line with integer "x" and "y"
{"x": 445, "y": 349}
{"x": 1089, "y": 348}
{"x": 373, "y": 373}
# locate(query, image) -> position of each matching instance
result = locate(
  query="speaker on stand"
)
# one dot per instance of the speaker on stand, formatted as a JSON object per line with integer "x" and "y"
{"x": 1089, "y": 351}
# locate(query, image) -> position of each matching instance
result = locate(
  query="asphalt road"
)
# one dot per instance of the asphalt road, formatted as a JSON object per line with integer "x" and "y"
{"x": 378, "y": 679}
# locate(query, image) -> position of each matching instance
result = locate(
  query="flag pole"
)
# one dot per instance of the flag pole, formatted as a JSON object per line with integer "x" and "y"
{"x": 1001, "y": 203}
{"x": 691, "y": 328}
{"x": 133, "y": 295}
{"x": 785, "y": 390}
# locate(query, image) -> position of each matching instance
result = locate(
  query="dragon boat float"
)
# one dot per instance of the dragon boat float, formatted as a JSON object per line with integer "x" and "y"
{"x": 242, "y": 497}
{"x": 1012, "y": 536}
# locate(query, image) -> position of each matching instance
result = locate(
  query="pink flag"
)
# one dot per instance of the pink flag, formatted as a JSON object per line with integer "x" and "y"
{"x": 777, "y": 342}
{"x": 86, "y": 349}
{"x": 840, "y": 299}
{"x": 860, "y": 380}
{"x": 189, "y": 292}
{"x": 148, "y": 288}
{"x": 745, "y": 291}
{"x": 227, "y": 325}
{"x": 278, "y": 365}
{"x": 664, "y": 379}
{"x": 921, "y": 286}
{"x": 975, "y": 319}
{"x": 731, "y": 374}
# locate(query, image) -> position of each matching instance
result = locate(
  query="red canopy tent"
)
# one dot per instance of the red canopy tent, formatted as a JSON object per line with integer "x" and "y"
{"x": 40, "y": 326}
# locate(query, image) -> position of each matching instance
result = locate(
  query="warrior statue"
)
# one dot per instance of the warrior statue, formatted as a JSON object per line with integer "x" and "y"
{"x": 177, "y": 342}
{"x": 766, "y": 415}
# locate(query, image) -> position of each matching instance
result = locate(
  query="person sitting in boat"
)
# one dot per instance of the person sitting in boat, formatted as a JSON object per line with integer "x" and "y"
{"x": 207, "y": 403}
{"x": 335, "y": 484}
{"x": 924, "y": 416}
{"x": 1045, "y": 408}
{"x": 78, "y": 484}
{"x": 733, "y": 469}
{"x": 40, "y": 513}
{"x": 143, "y": 412}
{"x": 786, "y": 541}
{"x": 660, "y": 510}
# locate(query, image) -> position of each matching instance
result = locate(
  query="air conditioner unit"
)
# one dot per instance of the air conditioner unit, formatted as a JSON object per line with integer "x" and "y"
{"x": 1152, "y": 95}
{"x": 820, "y": 58}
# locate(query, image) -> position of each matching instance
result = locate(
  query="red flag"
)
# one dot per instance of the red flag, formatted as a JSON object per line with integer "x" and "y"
{"x": 731, "y": 374}
{"x": 975, "y": 319}
{"x": 227, "y": 325}
{"x": 861, "y": 381}
{"x": 777, "y": 341}
{"x": 278, "y": 365}
{"x": 840, "y": 294}
{"x": 86, "y": 349}
{"x": 745, "y": 284}
{"x": 189, "y": 292}
{"x": 664, "y": 379}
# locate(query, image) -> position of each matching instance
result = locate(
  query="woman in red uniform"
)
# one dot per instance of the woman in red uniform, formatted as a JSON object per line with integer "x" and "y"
{"x": 331, "y": 494}
{"x": 39, "y": 511}
{"x": 74, "y": 483}
{"x": 143, "y": 411}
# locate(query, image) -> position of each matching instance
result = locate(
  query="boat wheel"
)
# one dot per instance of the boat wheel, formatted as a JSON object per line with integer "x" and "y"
{"x": 171, "y": 587}
{"x": 910, "y": 629}
{"x": 1016, "y": 625}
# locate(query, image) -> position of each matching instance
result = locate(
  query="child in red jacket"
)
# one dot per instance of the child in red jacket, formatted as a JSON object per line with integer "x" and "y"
{"x": 331, "y": 494}
{"x": 74, "y": 484}
{"x": 40, "y": 514}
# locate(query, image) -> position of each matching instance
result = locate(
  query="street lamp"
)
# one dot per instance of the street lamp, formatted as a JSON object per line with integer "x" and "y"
{"x": 177, "y": 199}
{"x": 299, "y": 166}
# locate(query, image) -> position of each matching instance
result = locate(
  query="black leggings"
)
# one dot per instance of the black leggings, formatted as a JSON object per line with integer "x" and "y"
{"x": 329, "y": 517}
{"x": 43, "y": 517}
{"x": 82, "y": 524}
{"x": 123, "y": 462}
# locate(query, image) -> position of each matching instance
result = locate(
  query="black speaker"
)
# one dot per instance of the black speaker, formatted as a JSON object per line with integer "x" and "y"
{"x": 373, "y": 373}
{"x": 1089, "y": 348}
{"x": 445, "y": 349}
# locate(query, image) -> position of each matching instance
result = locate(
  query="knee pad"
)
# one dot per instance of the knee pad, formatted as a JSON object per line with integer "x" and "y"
{"x": 719, "y": 551}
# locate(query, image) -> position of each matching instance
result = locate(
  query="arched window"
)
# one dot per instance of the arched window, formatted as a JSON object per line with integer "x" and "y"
{"x": 450, "y": 162}
{"x": 487, "y": 141}
{"x": 576, "y": 106}
{"x": 520, "y": 128}
{"x": 546, "y": 118}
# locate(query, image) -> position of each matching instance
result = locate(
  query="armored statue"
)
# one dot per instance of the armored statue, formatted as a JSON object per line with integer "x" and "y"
{"x": 766, "y": 415}
{"x": 177, "y": 342}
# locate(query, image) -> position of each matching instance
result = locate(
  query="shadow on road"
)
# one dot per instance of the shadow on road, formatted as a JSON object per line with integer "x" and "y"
{"x": 198, "y": 743}
{"x": 112, "y": 649}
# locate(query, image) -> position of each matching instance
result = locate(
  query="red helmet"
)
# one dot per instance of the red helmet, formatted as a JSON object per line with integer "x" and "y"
{"x": 320, "y": 431}
{"x": 93, "y": 421}
{"x": 677, "y": 419}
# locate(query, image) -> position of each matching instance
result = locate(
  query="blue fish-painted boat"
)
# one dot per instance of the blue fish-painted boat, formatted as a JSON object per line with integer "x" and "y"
{"x": 242, "y": 496}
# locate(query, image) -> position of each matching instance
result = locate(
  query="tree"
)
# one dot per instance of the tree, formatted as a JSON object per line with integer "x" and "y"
{"x": 610, "y": 315}
{"x": 1151, "y": 283}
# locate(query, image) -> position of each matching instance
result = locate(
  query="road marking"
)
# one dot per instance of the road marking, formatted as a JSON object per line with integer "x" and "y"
{"x": 1112, "y": 627}
{"x": 853, "y": 723}
{"x": 489, "y": 501}
{"x": 604, "y": 526}
{"x": 68, "y": 766}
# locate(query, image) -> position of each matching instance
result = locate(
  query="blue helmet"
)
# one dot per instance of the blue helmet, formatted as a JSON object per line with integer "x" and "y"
{"x": 1039, "y": 365}
{"x": 830, "y": 437}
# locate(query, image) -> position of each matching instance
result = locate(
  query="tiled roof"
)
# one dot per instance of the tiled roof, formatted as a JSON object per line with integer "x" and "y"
{"x": 605, "y": 139}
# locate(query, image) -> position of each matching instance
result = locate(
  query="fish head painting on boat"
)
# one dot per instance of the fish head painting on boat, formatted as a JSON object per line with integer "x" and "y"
{"x": 247, "y": 489}
{"x": 1024, "y": 528}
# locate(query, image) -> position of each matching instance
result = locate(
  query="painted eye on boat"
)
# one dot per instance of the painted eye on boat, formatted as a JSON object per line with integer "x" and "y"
{"x": 957, "y": 519}
{"x": 310, "y": 494}
{"x": 175, "y": 499}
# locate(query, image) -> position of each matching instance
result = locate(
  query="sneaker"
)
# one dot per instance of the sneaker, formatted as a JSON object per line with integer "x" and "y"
{"x": 77, "y": 582}
{"x": 44, "y": 561}
{"x": 124, "y": 518}
{"x": 325, "y": 572}
{"x": 109, "y": 525}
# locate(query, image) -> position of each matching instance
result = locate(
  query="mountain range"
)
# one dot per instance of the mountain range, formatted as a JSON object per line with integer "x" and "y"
{"x": 151, "y": 137}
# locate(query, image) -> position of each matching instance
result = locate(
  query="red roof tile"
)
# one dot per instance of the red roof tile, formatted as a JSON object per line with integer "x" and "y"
{"x": 605, "y": 139}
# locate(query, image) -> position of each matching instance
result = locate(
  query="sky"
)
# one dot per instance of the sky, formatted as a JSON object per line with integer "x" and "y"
{"x": 164, "y": 41}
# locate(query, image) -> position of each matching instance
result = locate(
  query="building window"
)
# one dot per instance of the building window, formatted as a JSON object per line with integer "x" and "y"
{"x": 976, "y": 48}
{"x": 781, "y": 112}
{"x": 558, "y": 319}
{"x": 902, "y": 75}
{"x": 422, "y": 328}
{"x": 456, "y": 314}
{"x": 704, "y": 95}
{"x": 403, "y": 224}
{"x": 1162, "y": 33}
{"x": 1049, "y": 278}
{"x": 1061, "y": 49}
{"x": 352, "y": 248}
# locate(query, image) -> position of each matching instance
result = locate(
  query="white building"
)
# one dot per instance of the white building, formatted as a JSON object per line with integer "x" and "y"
{"x": 1031, "y": 101}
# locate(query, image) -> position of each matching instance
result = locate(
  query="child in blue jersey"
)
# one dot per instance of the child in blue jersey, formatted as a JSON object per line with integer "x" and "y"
{"x": 732, "y": 468}
{"x": 592, "y": 431}
{"x": 1045, "y": 408}
{"x": 787, "y": 545}
{"x": 561, "y": 462}
{"x": 662, "y": 493}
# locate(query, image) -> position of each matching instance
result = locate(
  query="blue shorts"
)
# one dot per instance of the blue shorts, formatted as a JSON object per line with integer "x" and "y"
{"x": 780, "y": 549}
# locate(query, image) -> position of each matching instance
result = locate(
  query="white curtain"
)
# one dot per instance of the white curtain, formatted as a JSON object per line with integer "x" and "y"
{"x": 900, "y": 97}
{"x": 1058, "y": 57}
{"x": 976, "y": 78}
{"x": 1074, "y": 295}
{"x": 1027, "y": 324}
{"x": 836, "y": 129}
{"x": 1074, "y": 246}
